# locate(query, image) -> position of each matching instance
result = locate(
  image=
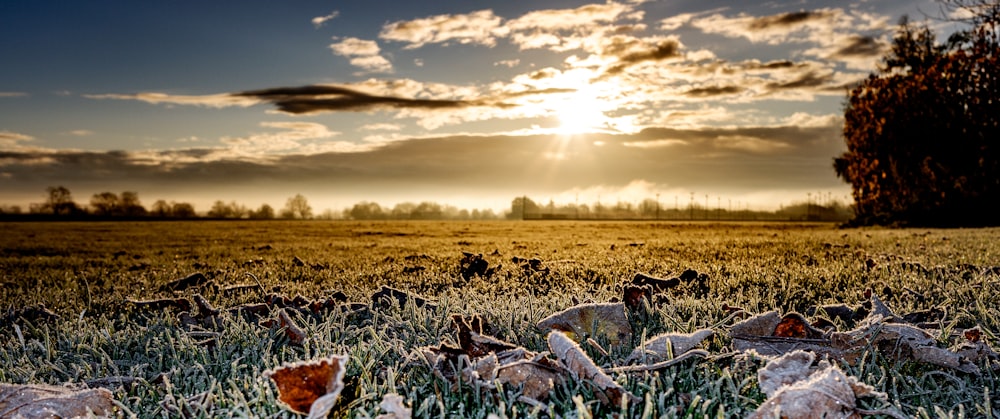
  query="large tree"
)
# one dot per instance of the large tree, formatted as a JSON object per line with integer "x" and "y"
{"x": 923, "y": 131}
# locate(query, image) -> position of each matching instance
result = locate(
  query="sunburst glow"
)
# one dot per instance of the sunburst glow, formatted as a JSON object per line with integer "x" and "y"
{"x": 581, "y": 112}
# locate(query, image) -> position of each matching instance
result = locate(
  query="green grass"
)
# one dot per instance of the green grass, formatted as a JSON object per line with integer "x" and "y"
{"x": 84, "y": 271}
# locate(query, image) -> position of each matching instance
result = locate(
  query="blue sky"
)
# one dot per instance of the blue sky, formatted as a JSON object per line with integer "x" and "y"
{"x": 462, "y": 102}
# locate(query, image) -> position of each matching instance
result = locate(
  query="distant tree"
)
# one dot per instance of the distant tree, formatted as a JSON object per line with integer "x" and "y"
{"x": 130, "y": 205}
{"x": 522, "y": 206}
{"x": 160, "y": 209}
{"x": 10, "y": 209}
{"x": 427, "y": 211}
{"x": 182, "y": 210}
{"x": 105, "y": 204}
{"x": 265, "y": 212}
{"x": 220, "y": 210}
{"x": 403, "y": 210}
{"x": 59, "y": 202}
{"x": 297, "y": 207}
{"x": 923, "y": 131}
{"x": 365, "y": 211}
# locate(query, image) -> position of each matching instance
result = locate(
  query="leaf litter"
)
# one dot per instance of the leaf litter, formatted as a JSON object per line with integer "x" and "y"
{"x": 795, "y": 384}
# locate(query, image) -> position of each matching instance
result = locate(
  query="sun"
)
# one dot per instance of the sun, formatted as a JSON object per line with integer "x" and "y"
{"x": 580, "y": 112}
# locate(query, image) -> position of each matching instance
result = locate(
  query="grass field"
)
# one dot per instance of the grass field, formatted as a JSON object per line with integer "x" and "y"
{"x": 84, "y": 272}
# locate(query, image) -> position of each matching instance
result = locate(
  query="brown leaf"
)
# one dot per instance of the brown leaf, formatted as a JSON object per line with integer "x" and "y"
{"x": 310, "y": 386}
{"x": 293, "y": 331}
{"x": 45, "y": 401}
{"x": 793, "y": 325}
{"x": 472, "y": 342}
{"x": 583, "y": 368}
{"x": 194, "y": 280}
{"x": 537, "y": 377}
{"x": 633, "y": 295}
{"x": 387, "y": 296}
{"x": 796, "y": 390}
{"x": 760, "y": 325}
{"x": 591, "y": 320}
{"x": 658, "y": 348}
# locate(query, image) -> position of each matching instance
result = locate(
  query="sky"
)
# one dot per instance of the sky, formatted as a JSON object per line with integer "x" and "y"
{"x": 469, "y": 103}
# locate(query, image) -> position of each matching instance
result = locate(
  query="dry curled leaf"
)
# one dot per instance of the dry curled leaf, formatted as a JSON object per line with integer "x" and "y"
{"x": 45, "y": 401}
{"x": 797, "y": 390}
{"x": 536, "y": 377}
{"x": 591, "y": 320}
{"x": 284, "y": 321}
{"x": 310, "y": 386}
{"x": 667, "y": 345}
{"x": 394, "y": 408}
{"x": 583, "y": 368}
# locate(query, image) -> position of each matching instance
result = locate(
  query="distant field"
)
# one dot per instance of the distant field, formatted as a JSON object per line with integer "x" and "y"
{"x": 84, "y": 272}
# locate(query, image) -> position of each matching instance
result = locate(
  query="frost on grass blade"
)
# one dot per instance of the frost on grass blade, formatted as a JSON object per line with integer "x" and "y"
{"x": 310, "y": 386}
{"x": 45, "y": 401}
{"x": 584, "y": 321}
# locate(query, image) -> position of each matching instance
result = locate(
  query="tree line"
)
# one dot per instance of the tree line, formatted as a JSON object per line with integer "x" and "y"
{"x": 59, "y": 203}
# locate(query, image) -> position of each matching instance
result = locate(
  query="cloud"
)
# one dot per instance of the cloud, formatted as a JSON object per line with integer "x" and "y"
{"x": 319, "y": 21}
{"x": 12, "y": 94}
{"x": 362, "y": 53}
{"x": 480, "y": 27}
{"x": 508, "y": 63}
{"x": 211, "y": 101}
{"x": 327, "y": 98}
{"x": 567, "y": 29}
{"x": 81, "y": 133}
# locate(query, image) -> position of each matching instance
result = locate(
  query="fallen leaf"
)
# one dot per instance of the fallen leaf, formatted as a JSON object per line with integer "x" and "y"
{"x": 475, "y": 344}
{"x": 46, "y": 401}
{"x": 394, "y": 408}
{"x": 387, "y": 296}
{"x": 793, "y": 325}
{"x": 668, "y": 345}
{"x": 194, "y": 280}
{"x": 591, "y": 320}
{"x": 294, "y": 333}
{"x": 536, "y": 378}
{"x": 796, "y": 390}
{"x": 310, "y": 386}
{"x": 583, "y": 368}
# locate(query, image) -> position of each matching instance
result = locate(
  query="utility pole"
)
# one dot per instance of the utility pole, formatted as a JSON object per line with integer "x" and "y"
{"x": 657, "y": 206}
{"x": 691, "y": 207}
{"x": 706, "y": 206}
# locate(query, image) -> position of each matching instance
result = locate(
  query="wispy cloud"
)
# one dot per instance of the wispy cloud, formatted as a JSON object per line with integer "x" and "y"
{"x": 319, "y": 21}
{"x": 362, "y": 53}
{"x": 12, "y": 94}
{"x": 155, "y": 98}
{"x": 480, "y": 27}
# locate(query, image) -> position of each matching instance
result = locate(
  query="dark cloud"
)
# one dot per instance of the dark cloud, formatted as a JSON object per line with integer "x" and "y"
{"x": 805, "y": 81}
{"x": 326, "y": 98}
{"x": 631, "y": 51}
{"x": 784, "y": 20}
{"x": 859, "y": 46}
{"x": 713, "y": 91}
